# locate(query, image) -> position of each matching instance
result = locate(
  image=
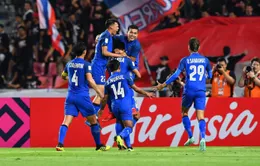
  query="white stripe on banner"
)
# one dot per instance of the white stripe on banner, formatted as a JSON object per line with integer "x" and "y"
{"x": 42, "y": 20}
{"x": 127, "y": 6}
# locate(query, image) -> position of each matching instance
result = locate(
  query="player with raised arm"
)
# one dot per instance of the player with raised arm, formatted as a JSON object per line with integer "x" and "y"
{"x": 198, "y": 69}
{"x": 103, "y": 51}
{"x": 78, "y": 72}
{"x": 118, "y": 89}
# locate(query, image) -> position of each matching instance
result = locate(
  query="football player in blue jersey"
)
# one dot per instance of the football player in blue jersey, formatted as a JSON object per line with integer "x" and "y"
{"x": 78, "y": 73}
{"x": 103, "y": 51}
{"x": 118, "y": 89}
{"x": 198, "y": 69}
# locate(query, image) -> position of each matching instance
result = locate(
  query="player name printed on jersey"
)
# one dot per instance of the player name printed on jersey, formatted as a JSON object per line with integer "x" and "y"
{"x": 115, "y": 79}
{"x": 121, "y": 59}
{"x": 76, "y": 65}
{"x": 196, "y": 60}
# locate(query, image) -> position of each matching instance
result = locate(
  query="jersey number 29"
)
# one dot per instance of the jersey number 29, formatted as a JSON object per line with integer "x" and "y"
{"x": 119, "y": 91}
{"x": 75, "y": 78}
{"x": 196, "y": 70}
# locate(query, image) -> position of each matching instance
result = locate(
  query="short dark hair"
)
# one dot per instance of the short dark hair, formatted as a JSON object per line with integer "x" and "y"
{"x": 111, "y": 21}
{"x": 79, "y": 48}
{"x": 21, "y": 27}
{"x": 2, "y": 25}
{"x": 119, "y": 45}
{"x": 222, "y": 60}
{"x": 28, "y": 2}
{"x": 194, "y": 44}
{"x": 113, "y": 65}
{"x": 133, "y": 27}
{"x": 255, "y": 60}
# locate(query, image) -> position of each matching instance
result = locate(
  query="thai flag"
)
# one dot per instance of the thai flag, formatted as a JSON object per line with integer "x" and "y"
{"x": 47, "y": 20}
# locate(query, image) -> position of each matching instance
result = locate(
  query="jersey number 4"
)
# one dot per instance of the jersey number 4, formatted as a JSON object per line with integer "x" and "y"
{"x": 119, "y": 91}
{"x": 75, "y": 78}
{"x": 196, "y": 70}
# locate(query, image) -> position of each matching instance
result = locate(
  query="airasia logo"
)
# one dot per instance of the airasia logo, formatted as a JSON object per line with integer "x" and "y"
{"x": 244, "y": 123}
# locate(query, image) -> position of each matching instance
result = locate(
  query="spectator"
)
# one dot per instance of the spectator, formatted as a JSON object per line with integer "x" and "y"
{"x": 22, "y": 59}
{"x": 231, "y": 60}
{"x": 249, "y": 11}
{"x": 223, "y": 80}
{"x": 250, "y": 79}
{"x": 162, "y": 71}
{"x": 176, "y": 87}
{"x": 4, "y": 39}
{"x": 28, "y": 15}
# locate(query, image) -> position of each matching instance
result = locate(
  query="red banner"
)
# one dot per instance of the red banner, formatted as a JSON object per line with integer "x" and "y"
{"x": 234, "y": 122}
{"x": 213, "y": 32}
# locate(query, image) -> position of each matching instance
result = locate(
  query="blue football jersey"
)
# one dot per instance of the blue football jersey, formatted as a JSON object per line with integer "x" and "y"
{"x": 126, "y": 65}
{"x": 77, "y": 70}
{"x": 105, "y": 39}
{"x": 118, "y": 87}
{"x": 197, "y": 68}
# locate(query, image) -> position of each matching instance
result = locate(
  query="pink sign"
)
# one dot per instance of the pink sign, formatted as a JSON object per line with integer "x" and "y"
{"x": 14, "y": 122}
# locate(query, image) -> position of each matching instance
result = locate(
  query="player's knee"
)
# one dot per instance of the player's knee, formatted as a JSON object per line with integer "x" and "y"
{"x": 67, "y": 120}
{"x": 92, "y": 119}
{"x": 200, "y": 114}
{"x": 184, "y": 111}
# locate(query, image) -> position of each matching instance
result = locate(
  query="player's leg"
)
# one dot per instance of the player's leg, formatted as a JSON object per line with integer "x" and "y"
{"x": 95, "y": 131}
{"x": 127, "y": 119}
{"x": 70, "y": 112}
{"x": 199, "y": 105}
{"x": 87, "y": 110}
{"x": 187, "y": 100}
{"x": 119, "y": 128}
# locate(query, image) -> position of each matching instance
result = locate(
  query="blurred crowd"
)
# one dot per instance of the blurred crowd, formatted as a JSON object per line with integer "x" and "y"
{"x": 26, "y": 54}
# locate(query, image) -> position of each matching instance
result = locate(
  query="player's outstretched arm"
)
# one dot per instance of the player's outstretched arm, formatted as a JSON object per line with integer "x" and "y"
{"x": 105, "y": 52}
{"x": 172, "y": 78}
{"x": 137, "y": 73}
{"x": 93, "y": 84}
{"x": 140, "y": 91}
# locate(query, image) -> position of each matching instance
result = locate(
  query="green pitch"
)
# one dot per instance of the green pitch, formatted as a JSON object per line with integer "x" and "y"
{"x": 181, "y": 156}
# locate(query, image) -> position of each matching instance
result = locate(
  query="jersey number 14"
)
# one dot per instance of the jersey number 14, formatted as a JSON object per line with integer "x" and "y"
{"x": 119, "y": 91}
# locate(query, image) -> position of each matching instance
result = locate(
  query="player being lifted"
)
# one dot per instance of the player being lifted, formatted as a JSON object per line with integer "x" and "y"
{"x": 127, "y": 67}
{"x": 118, "y": 89}
{"x": 198, "y": 69}
{"x": 103, "y": 51}
{"x": 78, "y": 72}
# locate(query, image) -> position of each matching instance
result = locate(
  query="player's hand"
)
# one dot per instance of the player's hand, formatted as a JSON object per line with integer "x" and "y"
{"x": 123, "y": 54}
{"x": 100, "y": 113}
{"x": 150, "y": 95}
{"x": 101, "y": 95}
{"x": 159, "y": 86}
{"x": 245, "y": 52}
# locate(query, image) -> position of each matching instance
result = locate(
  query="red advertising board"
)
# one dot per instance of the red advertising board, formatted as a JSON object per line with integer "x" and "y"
{"x": 230, "y": 122}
